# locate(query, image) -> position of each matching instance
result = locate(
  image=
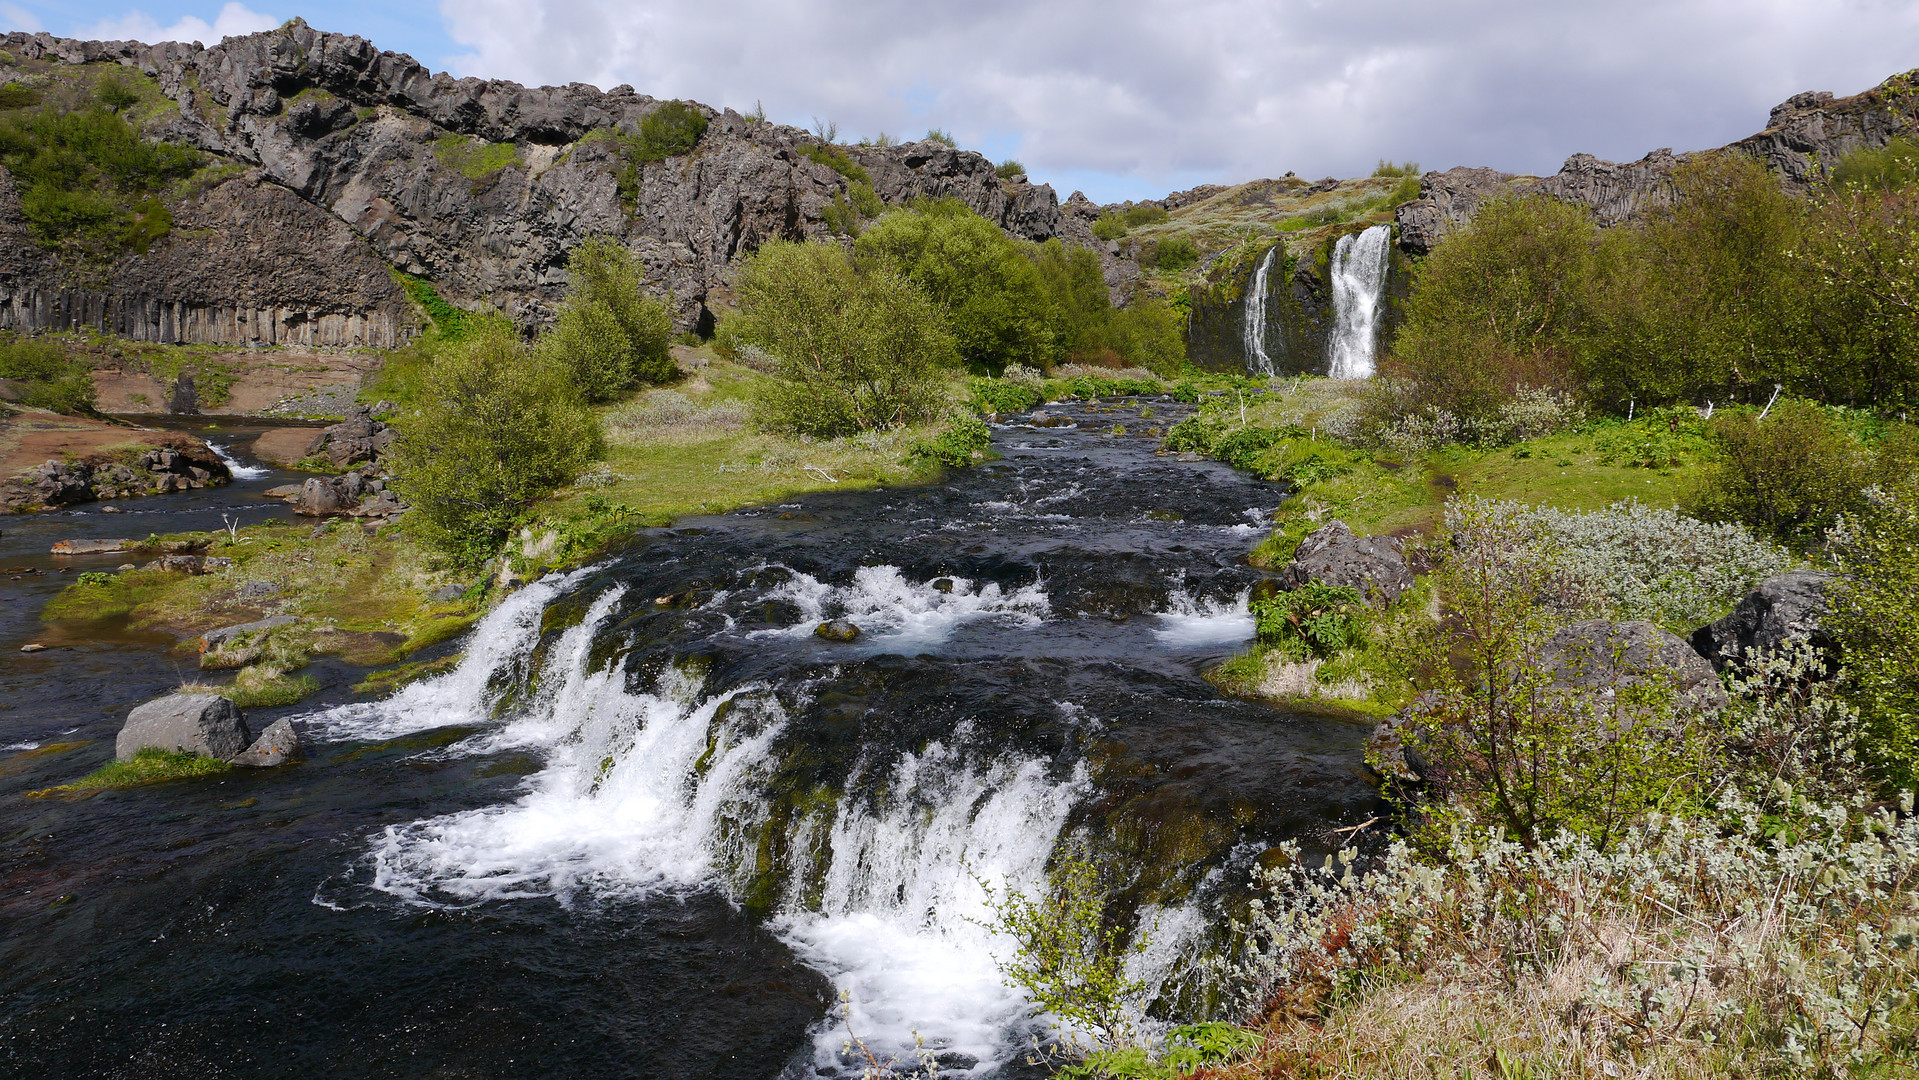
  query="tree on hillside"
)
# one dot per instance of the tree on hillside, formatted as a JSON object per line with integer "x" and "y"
{"x": 609, "y": 337}
{"x": 496, "y": 431}
{"x": 858, "y": 349}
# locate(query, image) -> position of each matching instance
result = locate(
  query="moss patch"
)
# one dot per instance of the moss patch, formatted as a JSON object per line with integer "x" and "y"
{"x": 146, "y": 767}
{"x": 473, "y": 158}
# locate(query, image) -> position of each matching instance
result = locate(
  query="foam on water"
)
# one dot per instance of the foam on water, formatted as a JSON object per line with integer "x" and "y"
{"x": 1189, "y": 623}
{"x": 897, "y": 615}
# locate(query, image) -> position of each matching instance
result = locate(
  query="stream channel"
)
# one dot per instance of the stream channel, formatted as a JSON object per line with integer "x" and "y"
{"x": 652, "y": 825}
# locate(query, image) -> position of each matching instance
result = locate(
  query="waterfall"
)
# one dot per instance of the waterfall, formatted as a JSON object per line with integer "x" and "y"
{"x": 234, "y": 468}
{"x": 882, "y": 887}
{"x": 1253, "y": 330}
{"x": 1359, "y": 286}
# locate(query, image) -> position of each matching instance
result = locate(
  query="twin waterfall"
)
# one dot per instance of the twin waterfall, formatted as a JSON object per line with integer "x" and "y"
{"x": 1358, "y": 270}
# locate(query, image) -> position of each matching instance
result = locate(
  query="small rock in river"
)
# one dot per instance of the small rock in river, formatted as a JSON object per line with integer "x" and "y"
{"x": 277, "y": 745}
{"x": 32, "y": 647}
{"x": 944, "y": 585}
{"x": 837, "y": 630}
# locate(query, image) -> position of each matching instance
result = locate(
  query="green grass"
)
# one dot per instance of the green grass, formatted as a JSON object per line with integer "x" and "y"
{"x": 270, "y": 690}
{"x": 149, "y": 766}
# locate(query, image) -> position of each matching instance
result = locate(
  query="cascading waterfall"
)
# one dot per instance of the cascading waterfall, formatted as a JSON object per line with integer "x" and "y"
{"x": 648, "y": 792}
{"x": 1253, "y": 330}
{"x": 1359, "y": 286}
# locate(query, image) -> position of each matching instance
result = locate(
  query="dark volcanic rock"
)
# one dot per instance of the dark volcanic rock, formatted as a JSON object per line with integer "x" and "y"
{"x": 1782, "y": 610}
{"x": 352, "y": 164}
{"x": 1332, "y": 555}
{"x": 1598, "y": 654}
{"x": 189, "y": 723}
{"x": 277, "y": 745}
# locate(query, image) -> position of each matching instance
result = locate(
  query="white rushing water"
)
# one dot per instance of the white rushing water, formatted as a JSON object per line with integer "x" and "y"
{"x": 1359, "y": 286}
{"x": 899, "y": 616}
{"x": 1253, "y": 328}
{"x": 647, "y": 792}
{"x": 1195, "y": 624}
{"x": 239, "y": 471}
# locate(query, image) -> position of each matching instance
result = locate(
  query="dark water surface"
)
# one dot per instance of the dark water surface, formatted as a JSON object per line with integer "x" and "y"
{"x": 653, "y": 825}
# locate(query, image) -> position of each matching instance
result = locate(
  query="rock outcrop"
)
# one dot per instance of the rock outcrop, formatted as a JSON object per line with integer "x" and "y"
{"x": 1606, "y": 656}
{"x": 179, "y": 464}
{"x": 346, "y": 162}
{"x": 1781, "y": 611}
{"x": 185, "y": 723}
{"x": 356, "y": 439}
{"x": 277, "y": 745}
{"x": 1332, "y": 555}
{"x": 1805, "y": 134}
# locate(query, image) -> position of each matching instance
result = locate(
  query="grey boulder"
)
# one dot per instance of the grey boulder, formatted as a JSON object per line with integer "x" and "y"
{"x": 1598, "y": 654}
{"x": 277, "y": 745}
{"x": 186, "y": 723}
{"x": 1783, "y": 610}
{"x": 1332, "y": 555}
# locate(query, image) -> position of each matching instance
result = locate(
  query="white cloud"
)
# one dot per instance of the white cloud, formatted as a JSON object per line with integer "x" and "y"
{"x": 1137, "y": 96}
{"x": 233, "y": 20}
{"x": 15, "y": 17}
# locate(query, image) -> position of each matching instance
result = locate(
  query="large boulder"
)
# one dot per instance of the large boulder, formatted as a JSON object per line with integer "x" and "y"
{"x": 277, "y": 745}
{"x": 1783, "y": 610}
{"x": 188, "y": 723}
{"x": 1332, "y": 555}
{"x": 325, "y": 496}
{"x": 1607, "y": 656}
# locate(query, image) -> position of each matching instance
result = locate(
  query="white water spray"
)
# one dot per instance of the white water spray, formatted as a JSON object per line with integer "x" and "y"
{"x": 1253, "y": 328}
{"x": 1359, "y": 286}
{"x": 239, "y": 471}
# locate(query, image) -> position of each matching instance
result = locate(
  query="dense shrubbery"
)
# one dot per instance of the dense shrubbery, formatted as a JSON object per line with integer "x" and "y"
{"x": 495, "y": 431}
{"x": 1735, "y": 288}
{"x": 609, "y": 337}
{"x": 1876, "y": 619}
{"x": 89, "y": 182}
{"x": 858, "y": 349}
{"x": 669, "y": 131}
{"x": 48, "y": 378}
{"x": 1312, "y": 620}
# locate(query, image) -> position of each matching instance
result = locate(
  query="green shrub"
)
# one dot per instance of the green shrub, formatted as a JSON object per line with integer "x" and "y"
{"x": 115, "y": 95}
{"x": 1875, "y": 619}
{"x": 48, "y": 377}
{"x": 958, "y": 445}
{"x": 939, "y": 135}
{"x": 449, "y": 322}
{"x": 1387, "y": 168}
{"x": 984, "y": 283}
{"x": 608, "y": 336}
{"x": 669, "y": 131}
{"x": 1148, "y": 214}
{"x": 88, "y": 180}
{"x": 857, "y": 349}
{"x": 495, "y": 432}
{"x": 1789, "y": 475}
{"x": 1109, "y": 227}
{"x": 1001, "y": 396}
{"x": 1312, "y": 620}
{"x": 1172, "y": 254}
{"x": 1067, "y": 956}
{"x": 865, "y": 199}
{"x": 1887, "y": 168}
{"x": 1009, "y": 170}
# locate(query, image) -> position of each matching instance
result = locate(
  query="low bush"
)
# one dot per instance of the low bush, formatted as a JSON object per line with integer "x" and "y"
{"x": 473, "y": 158}
{"x": 835, "y": 159}
{"x": 1790, "y": 474}
{"x": 1172, "y": 254}
{"x": 964, "y": 441}
{"x": 1313, "y": 620}
{"x": 1009, "y": 170}
{"x": 495, "y": 431}
{"x": 1875, "y": 617}
{"x": 1109, "y": 227}
{"x": 1147, "y": 214}
{"x": 609, "y": 336}
{"x": 857, "y": 350}
{"x": 669, "y": 131}
{"x": 89, "y": 182}
{"x": 48, "y": 377}
{"x": 1002, "y": 395}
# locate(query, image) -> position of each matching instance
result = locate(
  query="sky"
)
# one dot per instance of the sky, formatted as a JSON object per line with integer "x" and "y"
{"x": 1134, "y": 98}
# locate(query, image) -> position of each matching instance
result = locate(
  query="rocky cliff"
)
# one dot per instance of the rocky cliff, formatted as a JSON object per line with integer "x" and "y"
{"x": 337, "y": 161}
{"x": 1807, "y": 133}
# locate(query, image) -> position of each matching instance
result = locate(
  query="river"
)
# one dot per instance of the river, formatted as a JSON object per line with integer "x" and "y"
{"x": 653, "y": 825}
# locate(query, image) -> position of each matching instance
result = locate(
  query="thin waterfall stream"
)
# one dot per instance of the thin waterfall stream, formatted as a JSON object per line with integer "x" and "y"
{"x": 1359, "y": 266}
{"x": 652, "y": 824}
{"x": 1253, "y": 325}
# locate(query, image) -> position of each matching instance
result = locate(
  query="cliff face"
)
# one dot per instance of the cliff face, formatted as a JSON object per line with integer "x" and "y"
{"x": 1804, "y": 135}
{"x": 356, "y": 160}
